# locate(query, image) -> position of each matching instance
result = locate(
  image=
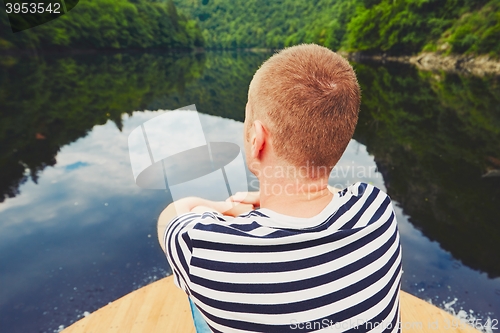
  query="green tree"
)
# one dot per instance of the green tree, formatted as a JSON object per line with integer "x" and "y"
{"x": 477, "y": 32}
{"x": 371, "y": 26}
{"x": 109, "y": 24}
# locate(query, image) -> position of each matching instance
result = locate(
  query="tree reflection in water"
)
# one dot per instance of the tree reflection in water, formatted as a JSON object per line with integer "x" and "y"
{"x": 48, "y": 103}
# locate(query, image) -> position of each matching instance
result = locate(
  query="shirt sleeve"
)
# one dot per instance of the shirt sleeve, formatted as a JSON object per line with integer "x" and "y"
{"x": 179, "y": 245}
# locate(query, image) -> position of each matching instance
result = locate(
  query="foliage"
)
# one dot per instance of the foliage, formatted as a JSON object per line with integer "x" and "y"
{"x": 371, "y": 26}
{"x": 109, "y": 24}
{"x": 409, "y": 26}
{"x": 403, "y": 26}
{"x": 270, "y": 24}
{"x": 477, "y": 32}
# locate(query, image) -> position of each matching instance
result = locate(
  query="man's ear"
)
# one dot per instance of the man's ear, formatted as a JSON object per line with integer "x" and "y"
{"x": 259, "y": 139}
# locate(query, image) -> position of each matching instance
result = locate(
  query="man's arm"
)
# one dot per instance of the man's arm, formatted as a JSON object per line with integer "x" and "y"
{"x": 196, "y": 205}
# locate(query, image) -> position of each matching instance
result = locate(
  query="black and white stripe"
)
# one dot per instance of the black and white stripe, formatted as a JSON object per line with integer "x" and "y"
{"x": 265, "y": 272}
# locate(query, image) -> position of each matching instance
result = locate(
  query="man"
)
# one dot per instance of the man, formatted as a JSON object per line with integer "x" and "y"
{"x": 301, "y": 256}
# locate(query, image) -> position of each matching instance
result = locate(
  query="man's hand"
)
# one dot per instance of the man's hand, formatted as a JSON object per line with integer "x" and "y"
{"x": 250, "y": 198}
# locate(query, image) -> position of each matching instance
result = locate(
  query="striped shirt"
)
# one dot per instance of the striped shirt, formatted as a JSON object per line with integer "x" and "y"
{"x": 339, "y": 271}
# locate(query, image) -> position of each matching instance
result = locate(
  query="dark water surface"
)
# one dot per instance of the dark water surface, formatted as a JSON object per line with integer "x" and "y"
{"x": 77, "y": 233}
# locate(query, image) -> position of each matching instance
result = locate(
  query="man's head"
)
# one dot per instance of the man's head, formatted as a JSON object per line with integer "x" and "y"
{"x": 304, "y": 101}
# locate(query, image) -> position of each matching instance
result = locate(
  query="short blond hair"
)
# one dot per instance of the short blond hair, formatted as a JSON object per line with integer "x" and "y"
{"x": 310, "y": 99}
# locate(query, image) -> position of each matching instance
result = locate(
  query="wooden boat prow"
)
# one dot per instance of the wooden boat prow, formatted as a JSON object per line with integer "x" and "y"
{"x": 161, "y": 307}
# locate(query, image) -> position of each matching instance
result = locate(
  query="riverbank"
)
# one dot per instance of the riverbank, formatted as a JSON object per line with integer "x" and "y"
{"x": 480, "y": 65}
{"x": 433, "y": 61}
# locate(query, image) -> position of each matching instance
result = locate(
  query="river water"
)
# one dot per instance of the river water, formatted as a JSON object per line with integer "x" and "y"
{"x": 77, "y": 233}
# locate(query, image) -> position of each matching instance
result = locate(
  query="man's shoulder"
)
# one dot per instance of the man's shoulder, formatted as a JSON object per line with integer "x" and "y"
{"x": 360, "y": 189}
{"x": 366, "y": 205}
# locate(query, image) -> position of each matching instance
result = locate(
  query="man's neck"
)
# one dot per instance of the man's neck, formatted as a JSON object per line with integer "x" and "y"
{"x": 294, "y": 198}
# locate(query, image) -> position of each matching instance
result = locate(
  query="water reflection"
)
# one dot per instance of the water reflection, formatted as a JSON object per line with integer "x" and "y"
{"x": 171, "y": 152}
{"x": 435, "y": 137}
{"x": 77, "y": 238}
{"x": 49, "y": 103}
{"x": 85, "y": 234}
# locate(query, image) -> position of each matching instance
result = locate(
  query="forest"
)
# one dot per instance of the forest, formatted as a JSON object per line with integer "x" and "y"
{"x": 394, "y": 27}
{"x": 371, "y": 26}
{"x": 107, "y": 24}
